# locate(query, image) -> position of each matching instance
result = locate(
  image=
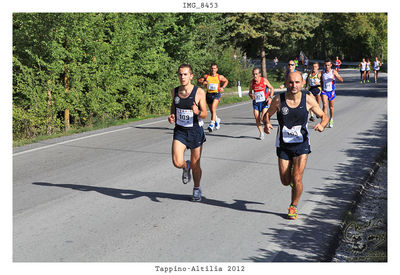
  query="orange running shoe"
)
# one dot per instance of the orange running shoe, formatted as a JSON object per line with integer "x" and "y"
{"x": 292, "y": 215}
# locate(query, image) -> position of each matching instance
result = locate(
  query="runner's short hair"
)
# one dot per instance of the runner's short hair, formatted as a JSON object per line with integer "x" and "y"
{"x": 185, "y": 66}
{"x": 257, "y": 68}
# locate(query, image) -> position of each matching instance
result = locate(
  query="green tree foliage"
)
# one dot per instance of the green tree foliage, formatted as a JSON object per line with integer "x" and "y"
{"x": 351, "y": 36}
{"x": 272, "y": 31}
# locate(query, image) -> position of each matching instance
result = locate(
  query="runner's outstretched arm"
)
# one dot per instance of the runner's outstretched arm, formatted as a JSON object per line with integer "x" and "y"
{"x": 316, "y": 109}
{"x": 271, "y": 111}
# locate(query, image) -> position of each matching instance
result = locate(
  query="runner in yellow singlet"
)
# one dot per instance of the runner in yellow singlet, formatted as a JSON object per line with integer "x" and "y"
{"x": 213, "y": 83}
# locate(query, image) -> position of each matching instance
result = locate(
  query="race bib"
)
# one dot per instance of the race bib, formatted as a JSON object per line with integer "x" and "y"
{"x": 184, "y": 117}
{"x": 259, "y": 96}
{"x": 292, "y": 135}
{"x": 314, "y": 81}
{"x": 212, "y": 86}
{"x": 328, "y": 86}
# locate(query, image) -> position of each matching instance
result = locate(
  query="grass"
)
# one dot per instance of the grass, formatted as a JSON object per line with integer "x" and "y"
{"x": 225, "y": 100}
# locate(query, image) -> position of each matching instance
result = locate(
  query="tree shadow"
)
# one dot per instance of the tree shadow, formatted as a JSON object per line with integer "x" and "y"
{"x": 227, "y": 136}
{"x": 375, "y": 93}
{"x": 239, "y": 123}
{"x": 315, "y": 237}
{"x": 129, "y": 194}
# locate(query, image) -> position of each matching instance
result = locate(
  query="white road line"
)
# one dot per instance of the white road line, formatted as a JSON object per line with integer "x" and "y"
{"x": 68, "y": 141}
{"x": 104, "y": 133}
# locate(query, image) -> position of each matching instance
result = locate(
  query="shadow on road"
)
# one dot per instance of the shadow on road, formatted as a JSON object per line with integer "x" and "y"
{"x": 129, "y": 194}
{"x": 358, "y": 91}
{"x": 315, "y": 238}
{"x": 227, "y": 136}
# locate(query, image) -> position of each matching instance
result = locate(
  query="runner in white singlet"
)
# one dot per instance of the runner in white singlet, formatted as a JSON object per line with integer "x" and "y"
{"x": 377, "y": 67}
{"x": 363, "y": 67}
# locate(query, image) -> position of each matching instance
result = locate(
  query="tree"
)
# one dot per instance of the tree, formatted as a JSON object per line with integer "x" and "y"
{"x": 271, "y": 30}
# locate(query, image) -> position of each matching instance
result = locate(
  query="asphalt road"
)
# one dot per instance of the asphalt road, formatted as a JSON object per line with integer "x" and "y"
{"x": 113, "y": 195}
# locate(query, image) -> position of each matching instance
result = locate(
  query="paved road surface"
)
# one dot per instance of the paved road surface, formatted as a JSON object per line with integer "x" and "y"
{"x": 114, "y": 195}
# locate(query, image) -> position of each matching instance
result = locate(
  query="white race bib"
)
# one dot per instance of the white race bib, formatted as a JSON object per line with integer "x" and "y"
{"x": 292, "y": 135}
{"x": 259, "y": 96}
{"x": 184, "y": 117}
{"x": 212, "y": 86}
{"x": 328, "y": 86}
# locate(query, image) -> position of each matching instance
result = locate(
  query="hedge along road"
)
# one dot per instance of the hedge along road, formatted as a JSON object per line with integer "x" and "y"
{"x": 114, "y": 195}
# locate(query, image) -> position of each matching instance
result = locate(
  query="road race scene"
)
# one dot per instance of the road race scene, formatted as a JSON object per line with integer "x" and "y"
{"x": 199, "y": 138}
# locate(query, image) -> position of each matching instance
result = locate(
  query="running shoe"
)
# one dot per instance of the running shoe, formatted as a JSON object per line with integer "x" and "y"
{"x": 196, "y": 194}
{"x": 211, "y": 127}
{"x": 368, "y": 80}
{"x": 312, "y": 118}
{"x": 186, "y": 176}
{"x": 217, "y": 123}
{"x": 292, "y": 214}
{"x": 330, "y": 123}
{"x": 261, "y": 137}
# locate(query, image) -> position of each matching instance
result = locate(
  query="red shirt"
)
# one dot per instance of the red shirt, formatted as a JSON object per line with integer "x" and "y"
{"x": 258, "y": 87}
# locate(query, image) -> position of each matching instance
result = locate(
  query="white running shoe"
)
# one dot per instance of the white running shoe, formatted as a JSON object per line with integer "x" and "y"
{"x": 186, "y": 176}
{"x": 217, "y": 123}
{"x": 196, "y": 194}
{"x": 261, "y": 137}
{"x": 211, "y": 127}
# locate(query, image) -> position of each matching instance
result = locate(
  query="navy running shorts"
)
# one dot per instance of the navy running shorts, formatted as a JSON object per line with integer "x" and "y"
{"x": 315, "y": 91}
{"x": 192, "y": 138}
{"x": 288, "y": 154}
{"x": 210, "y": 97}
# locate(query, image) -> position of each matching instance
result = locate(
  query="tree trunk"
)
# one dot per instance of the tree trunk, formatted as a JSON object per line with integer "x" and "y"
{"x": 263, "y": 58}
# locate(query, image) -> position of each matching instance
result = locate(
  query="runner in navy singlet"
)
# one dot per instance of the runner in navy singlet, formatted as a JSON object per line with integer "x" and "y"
{"x": 188, "y": 108}
{"x": 293, "y": 138}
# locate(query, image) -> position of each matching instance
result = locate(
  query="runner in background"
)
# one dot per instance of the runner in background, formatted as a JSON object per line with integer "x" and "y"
{"x": 363, "y": 67}
{"x": 291, "y": 68}
{"x": 328, "y": 78}
{"x": 214, "y": 89}
{"x": 377, "y": 67}
{"x": 367, "y": 69}
{"x": 296, "y": 62}
{"x": 275, "y": 62}
{"x": 313, "y": 82}
{"x": 261, "y": 92}
{"x": 337, "y": 63}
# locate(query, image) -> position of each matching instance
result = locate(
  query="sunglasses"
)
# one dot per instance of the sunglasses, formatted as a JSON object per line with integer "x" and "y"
{"x": 291, "y": 64}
